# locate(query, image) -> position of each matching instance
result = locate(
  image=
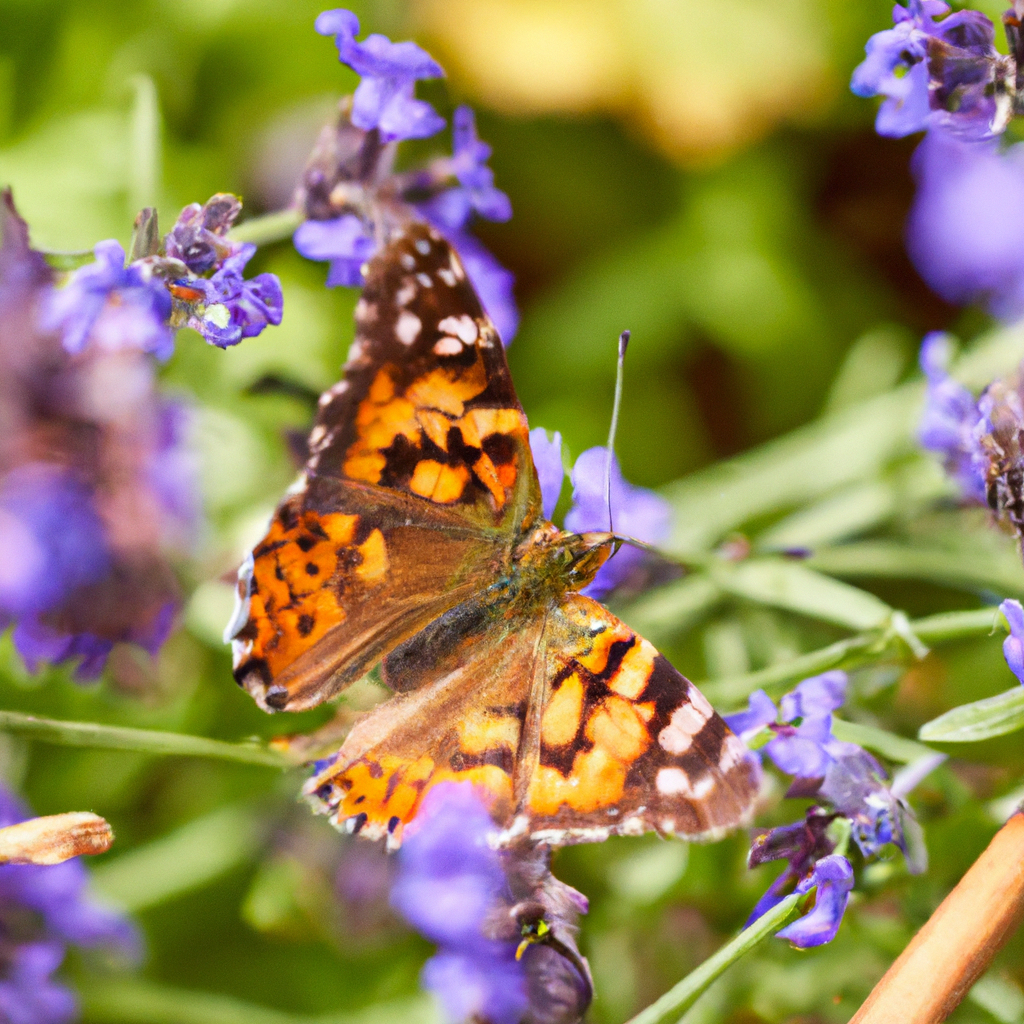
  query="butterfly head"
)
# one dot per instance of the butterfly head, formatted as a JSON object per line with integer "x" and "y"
{"x": 564, "y": 561}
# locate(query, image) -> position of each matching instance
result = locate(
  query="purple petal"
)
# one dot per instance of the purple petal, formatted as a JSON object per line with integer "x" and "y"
{"x": 635, "y": 511}
{"x": 833, "y": 877}
{"x": 480, "y": 985}
{"x": 1013, "y": 645}
{"x": 547, "y": 458}
{"x": 760, "y": 712}
{"x": 965, "y": 232}
{"x": 802, "y": 756}
{"x": 815, "y": 697}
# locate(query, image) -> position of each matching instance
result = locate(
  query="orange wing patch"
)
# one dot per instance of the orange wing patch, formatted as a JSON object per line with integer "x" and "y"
{"x": 627, "y": 744}
{"x": 296, "y": 576}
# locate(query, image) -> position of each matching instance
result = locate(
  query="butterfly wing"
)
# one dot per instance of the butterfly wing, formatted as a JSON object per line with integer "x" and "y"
{"x": 418, "y": 482}
{"x": 626, "y": 744}
{"x": 573, "y": 727}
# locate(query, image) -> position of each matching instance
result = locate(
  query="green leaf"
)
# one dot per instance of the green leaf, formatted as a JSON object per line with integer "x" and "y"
{"x": 984, "y": 569}
{"x": 680, "y": 998}
{"x": 144, "y": 146}
{"x": 181, "y": 861}
{"x": 149, "y": 741}
{"x": 889, "y": 745}
{"x": 271, "y": 227}
{"x": 794, "y": 587}
{"x": 981, "y": 720}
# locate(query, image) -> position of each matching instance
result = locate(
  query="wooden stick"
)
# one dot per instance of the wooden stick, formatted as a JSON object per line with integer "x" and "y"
{"x": 956, "y": 946}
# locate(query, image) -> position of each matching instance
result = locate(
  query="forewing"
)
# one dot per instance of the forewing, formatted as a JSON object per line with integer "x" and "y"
{"x": 626, "y": 744}
{"x": 418, "y": 482}
{"x": 426, "y": 406}
{"x": 462, "y": 721}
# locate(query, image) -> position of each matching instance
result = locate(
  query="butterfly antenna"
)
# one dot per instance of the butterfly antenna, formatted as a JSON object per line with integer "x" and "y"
{"x": 612, "y": 430}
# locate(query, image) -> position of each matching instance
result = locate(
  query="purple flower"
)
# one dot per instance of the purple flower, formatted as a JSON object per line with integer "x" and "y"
{"x": 635, "y": 512}
{"x": 52, "y": 540}
{"x": 950, "y": 419}
{"x": 345, "y": 241}
{"x": 110, "y": 306}
{"x": 44, "y": 909}
{"x": 802, "y": 726}
{"x": 1013, "y": 645}
{"x": 547, "y": 458}
{"x": 452, "y": 209}
{"x": 198, "y": 236}
{"x": 384, "y": 98}
{"x": 449, "y": 879}
{"x": 833, "y": 878}
{"x": 504, "y": 925}
{"x": 231, "y": 307}
{"x": 965, "y": 232}
{"x": 84, "y": 535}
{"x": 946, "y": 74}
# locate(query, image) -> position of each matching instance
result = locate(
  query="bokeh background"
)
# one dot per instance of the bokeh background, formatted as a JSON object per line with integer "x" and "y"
{"x": 694, "y": 170}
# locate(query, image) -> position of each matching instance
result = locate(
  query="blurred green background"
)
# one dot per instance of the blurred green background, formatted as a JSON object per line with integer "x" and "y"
{"x": 694, "y": 170}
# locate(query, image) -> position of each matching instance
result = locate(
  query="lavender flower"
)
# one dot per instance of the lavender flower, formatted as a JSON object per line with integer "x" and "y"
{"x": 199, "y": 236}
{"x": 344, "y": 240}
{"x": 453, "y": 208}
{"x": 389, "y": 71}
{"x": 944, "y": 74}
{"x": 801, "y": 727}
{"x": 950, "y": 419}
{"x": 231, "y": 307}
{"x": 965, "y": 232}
{"x": 635, "y": 512}
{"x": 504, "y": 925}
{"x": 43, "y": 910}
{"x": 87, "y": 524}
{"x": 111, "y": 306}
{"x": 355, "y": 200}
{"x": 1013, "y": 645}
{"x": 832, "y": 876}
{"x": 547, "y": 458}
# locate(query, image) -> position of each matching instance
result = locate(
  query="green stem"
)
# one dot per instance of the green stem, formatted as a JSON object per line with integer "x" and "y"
{"x": 148, "y": 741}
{"x": 271, "y": 227}
{"x": 850, "y": 652}
{"x": 681, "y": 997}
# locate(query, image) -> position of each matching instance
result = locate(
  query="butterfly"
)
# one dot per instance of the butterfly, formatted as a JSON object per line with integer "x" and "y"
{"x": 415, "y": 544}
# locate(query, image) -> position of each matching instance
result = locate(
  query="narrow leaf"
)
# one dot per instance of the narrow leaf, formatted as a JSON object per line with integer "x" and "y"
{"x": 890, "y": 746}
{"x": 993, "y": 716}
{"x": 148, "y": 741}
{"x": 796, "y": 588}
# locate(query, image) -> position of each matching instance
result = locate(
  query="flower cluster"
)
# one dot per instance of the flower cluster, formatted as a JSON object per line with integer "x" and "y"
{"x": 505, "y": 927}
{"x": 353, "y": 199}
{"x": 43, "y": 911}
{"x": 855, "y": 802}
{"x": 193, "y": 280}
{"x": 941, "y": 73}
{"x": 635, "y": 511}
{"x": 979, "y": 441}
{"x": 97, "y": 484}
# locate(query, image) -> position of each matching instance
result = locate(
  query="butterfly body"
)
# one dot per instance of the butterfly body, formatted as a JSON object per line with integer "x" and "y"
{"x": 416, "y": 544}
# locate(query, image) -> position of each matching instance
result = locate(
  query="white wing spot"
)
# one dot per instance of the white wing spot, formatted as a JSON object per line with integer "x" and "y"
{"x": 406, "y": 293}
{"x": 463, "y": 327}
{"x": 675, "y": 782}
{"x": 424, "y": 280}
{"x": 447, "y": 346}
{"x": 407, "y": 260}
{"x": 407, "y": 328}
{"x": 453, "y": 262}
{"x": 447, "y": 276}
{"x": 422, "y": 246}
{"x": 685, "y": 723}
{"x": 317, "y": 434}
